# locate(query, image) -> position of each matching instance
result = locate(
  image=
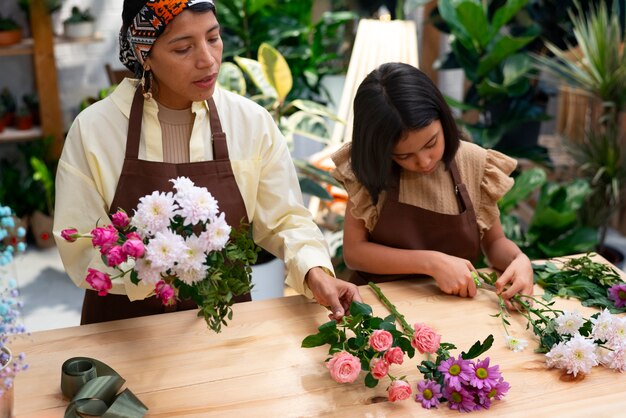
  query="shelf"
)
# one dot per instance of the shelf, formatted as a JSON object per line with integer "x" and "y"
{"x": 25, "y": 47}
{"x": 10, "y": 135}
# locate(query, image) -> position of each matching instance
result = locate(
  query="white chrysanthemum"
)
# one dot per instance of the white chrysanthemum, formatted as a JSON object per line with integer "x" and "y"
{"x": 556, "y": 356}
{"x": 616, "y": 359}
{"x": 154, "y": 212}
{"x": 216, "y": 233}
{"x": 165, "y": 250}
{"x": 516, "y": 344}
{"x": 602, "y": 326}
{"x": 581, "y": 355}
{"x": 197, "y": 205}
{"x": 182, "y": 186}
{"x": 146, "y": 272}
{"x": 618, "y": 336}
{"x": 194, "y": 254}
{"x": 569, "y": 323}
{"x": 192, "y": 276}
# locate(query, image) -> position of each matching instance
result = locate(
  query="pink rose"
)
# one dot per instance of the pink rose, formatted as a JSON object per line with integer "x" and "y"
{"x": 120, "y": 219}
{"x": 425, "y": 339}
{"x": 134, "y": 248}
{"x": 165, "y": 292}
{"x": 344, "y": 367}
{"x": 133, "y": 235}
{"x": 99, "y": 281}
{"x": 398, "y": 391}
{"x": 104, "y": 237}
{"x": 394, "y": 356}
{"x": 381, "y": 340}
{"x": 116, "y": 256}
{"x": 379, "y": 368}
{"x": 69, "y": 234}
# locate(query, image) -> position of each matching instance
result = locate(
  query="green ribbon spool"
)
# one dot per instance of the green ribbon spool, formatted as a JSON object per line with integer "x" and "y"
{"x": 92, "y": 387}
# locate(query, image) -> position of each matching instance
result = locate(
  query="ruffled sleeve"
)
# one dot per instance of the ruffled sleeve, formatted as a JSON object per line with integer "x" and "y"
{"x": 362, "y": 206}
{"x": 495, "y": 183}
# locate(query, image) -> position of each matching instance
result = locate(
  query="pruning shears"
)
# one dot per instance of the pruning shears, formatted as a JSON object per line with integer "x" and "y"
{"x": 481, "y": 283}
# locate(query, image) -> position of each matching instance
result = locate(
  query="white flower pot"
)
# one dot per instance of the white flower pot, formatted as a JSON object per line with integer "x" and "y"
{"x": 79, "y": 30}
{"x": 268, "y": 279}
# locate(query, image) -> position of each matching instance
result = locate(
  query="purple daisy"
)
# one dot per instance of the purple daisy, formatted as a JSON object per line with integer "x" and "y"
{"x": 456, "y": 371}
{"x": 617, "y": 293}
{"x": 460, "y": 399}
{"x": 484, "y": 376}
{"x": 428, "y": 393}
{"x": 499, "y": 390}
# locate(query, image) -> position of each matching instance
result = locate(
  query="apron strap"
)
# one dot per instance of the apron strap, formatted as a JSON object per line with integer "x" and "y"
{"x": 134, "y": 125}
{"x": 459, "y": 188}
{"x": 220, "y": 149}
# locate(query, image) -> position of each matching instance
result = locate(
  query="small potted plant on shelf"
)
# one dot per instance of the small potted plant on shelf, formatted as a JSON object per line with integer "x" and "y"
{"x": 2, "y": 111}
{"x": 10, "y": 31}
{"x": 23, "y": 119}
{"x": 8, "y": 101}
{"x": 80, "y": 24}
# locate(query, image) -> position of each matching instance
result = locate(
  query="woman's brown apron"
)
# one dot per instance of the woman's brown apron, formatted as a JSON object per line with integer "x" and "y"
{"x": 139, "y": 178}
{"x": 410, "y": 227}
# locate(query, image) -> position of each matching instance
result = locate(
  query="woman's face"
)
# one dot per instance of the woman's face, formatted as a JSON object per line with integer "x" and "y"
{"x": 185, "y": 59}
{"x": 421, "y": 149}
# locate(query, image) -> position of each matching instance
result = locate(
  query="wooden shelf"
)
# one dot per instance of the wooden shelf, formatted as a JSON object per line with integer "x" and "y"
{"x": 10, "y": 135}
{"x": 25, "y": 47}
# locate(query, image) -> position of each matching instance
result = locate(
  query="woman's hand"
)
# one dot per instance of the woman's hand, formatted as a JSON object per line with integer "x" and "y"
{"x": 454, "y": 275}
{"x": 333, "y": 293}
{"x": 519, "y": 276}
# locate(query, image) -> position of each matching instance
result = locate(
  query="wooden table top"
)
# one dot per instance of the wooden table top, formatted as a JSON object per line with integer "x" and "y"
{"x": 256, "y": 368}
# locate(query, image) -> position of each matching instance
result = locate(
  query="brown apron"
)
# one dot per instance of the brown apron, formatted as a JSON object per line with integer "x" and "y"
{"x": 139, "y": 178}
{"x": 410, "y": 227}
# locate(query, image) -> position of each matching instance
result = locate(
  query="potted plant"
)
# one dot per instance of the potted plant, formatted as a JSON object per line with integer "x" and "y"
{"x": 501, "y": 97}
{"x": 8, "y": 100}
{"x": 31, "y": 101}
{"x": 41, "y": 221}
{"x": 10, "y": 31}
{"x": 23, "y": 119}
{"x": 80, "y": 24}
{"x": 598, "y": 67}
{"x": 2, "y": 112}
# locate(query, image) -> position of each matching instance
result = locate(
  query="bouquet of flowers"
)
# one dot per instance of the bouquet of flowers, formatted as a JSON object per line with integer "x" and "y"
{"x": 10, "y": 302}
{"x": 179, "y": 243}
{"x": 570, "y": 341}
{"x": 376, "y": 345}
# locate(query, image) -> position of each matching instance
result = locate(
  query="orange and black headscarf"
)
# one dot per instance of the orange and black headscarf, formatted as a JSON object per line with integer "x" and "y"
{"x": 143, "y": 22}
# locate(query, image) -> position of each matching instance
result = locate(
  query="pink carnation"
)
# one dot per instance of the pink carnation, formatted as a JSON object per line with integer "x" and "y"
{"x": 104, "y": 237}
{"x": 379, "y": 368}
{"x": 165, "y": 292}
{"x": 394, "y": 356}
{"x": 69, "y": 234}
{"x": 134, "y": 248}
{"x": 120, "y": 219}
{"x": 99, "y": 281}
{"x": 116, "y": 256}
{"x": 381, "y": 340}
{"x": 344, "y": 367}
{"x": 425, "y": 339}
{"x": 398, "y": 391}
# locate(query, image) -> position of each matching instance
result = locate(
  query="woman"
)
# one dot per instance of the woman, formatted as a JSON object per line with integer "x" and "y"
{"x": 175, "y": 122}
{"x": 422, "y": 202}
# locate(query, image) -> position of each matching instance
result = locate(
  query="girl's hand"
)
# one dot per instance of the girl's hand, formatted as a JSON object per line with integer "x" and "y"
{"x": 454, "y": 276}
{"x": 519, "y": 275}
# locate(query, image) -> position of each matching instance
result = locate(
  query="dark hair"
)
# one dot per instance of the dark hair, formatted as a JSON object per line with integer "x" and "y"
{"x": 392, "y": 100}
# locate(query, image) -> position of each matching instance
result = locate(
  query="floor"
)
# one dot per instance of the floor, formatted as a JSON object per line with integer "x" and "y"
{"x": 52, "y": 301}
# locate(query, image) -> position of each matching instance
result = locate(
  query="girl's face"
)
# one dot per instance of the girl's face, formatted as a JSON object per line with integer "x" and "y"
{"x": 185, "y": 59}
{"x": 421, "y": 150}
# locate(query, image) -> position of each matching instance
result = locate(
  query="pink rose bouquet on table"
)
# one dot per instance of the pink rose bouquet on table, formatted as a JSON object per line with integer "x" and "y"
{"x": 180, "y": 244}
{"x": 363, "y": 342}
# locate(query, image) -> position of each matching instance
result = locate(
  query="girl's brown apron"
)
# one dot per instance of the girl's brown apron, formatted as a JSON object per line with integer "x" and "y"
{"x": 413, "y": 228}
{"x": 139, "y": 178}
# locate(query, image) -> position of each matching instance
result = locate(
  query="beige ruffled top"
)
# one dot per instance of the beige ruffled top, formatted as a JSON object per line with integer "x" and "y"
{"x": 484, "y": 172}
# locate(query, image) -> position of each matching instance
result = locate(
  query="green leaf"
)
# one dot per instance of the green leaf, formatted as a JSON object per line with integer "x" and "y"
{"x": 478, "y": 348}
{"x": 527, "y": 182}
{"x": 502, "y": 49}
{"x": 474, "y": 21}
{"x": 370, "y": 381}
{"x": 358, "y": 308}
{"x": 257, "y": 75}
{"x": 276, "y": 70}
{"x": 314, "y": 340}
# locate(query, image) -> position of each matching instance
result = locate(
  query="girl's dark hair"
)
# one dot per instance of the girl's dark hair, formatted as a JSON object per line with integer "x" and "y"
{"x": 132, "y": 7}
{"x": 392, "y": 100}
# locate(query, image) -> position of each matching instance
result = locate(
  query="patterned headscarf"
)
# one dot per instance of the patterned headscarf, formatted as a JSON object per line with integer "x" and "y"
{"x": 137, "y": 38}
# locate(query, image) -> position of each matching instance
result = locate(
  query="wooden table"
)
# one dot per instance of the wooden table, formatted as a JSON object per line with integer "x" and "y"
{"x": 256, "y": 368}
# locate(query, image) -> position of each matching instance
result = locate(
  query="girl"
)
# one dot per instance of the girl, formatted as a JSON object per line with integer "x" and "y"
{"x": 421, "y": 200}
{"x": 175, "y": 122}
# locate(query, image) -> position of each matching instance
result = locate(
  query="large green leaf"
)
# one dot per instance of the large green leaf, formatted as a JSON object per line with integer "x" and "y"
{"x": 276, "y": 70}
{"x": 311, "y": 187}
{"x": 254, "y": 69}
{"x": 473, "y": 18}
{"x": 527, "y": 182}
{"x": 314, "y": 108}
{"x": 504, "y": 14}
{"x": 231, "y": 78}
{"x": 502, "y": 49}
{"x": 573, "y": 241}
{"x": 312, "y": 126}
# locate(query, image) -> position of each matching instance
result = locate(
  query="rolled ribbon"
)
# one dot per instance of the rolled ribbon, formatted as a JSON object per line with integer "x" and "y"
{"x": 92, "y": 387}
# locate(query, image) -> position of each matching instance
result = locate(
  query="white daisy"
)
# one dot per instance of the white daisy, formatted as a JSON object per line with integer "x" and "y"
{"x": 165, "y": 250}
{"x": 216, "y": 234}
{"x": 515, "y": 344}
{"x": 154, "y": 212}
{"x": 182, "y": 186}
{"x": 581, "y": 355}
{"x": 602, "y": 326}
{"x": 197, "y": 205}
{"x": 569, "y": 323}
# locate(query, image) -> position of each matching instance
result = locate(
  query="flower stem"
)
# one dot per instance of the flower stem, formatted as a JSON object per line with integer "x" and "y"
{"x": 405, "y": 325}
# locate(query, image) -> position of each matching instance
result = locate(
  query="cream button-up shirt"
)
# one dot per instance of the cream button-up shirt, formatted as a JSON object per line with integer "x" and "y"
{"x": 91, "y": 163}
